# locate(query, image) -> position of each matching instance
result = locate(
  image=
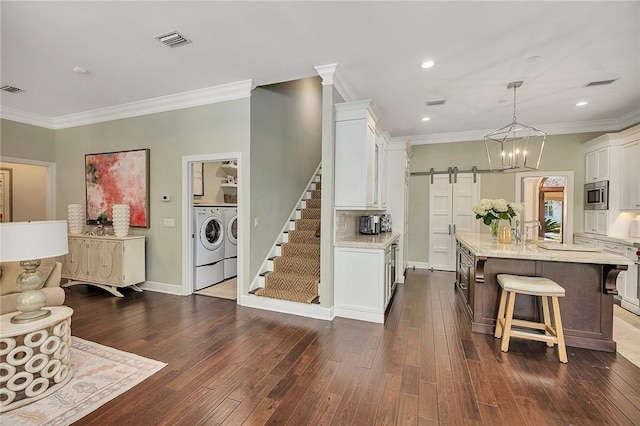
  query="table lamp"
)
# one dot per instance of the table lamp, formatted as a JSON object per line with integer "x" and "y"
{"x": 27, "y": 243}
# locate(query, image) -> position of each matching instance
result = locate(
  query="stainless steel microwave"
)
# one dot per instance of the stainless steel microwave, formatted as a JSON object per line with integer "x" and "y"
{"x": 596, "y": 195}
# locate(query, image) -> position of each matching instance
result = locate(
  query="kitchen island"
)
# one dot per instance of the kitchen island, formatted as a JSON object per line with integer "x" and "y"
{"x": 588, "y": 277}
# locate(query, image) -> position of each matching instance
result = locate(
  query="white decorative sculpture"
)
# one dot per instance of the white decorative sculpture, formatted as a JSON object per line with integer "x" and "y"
{"x": 76, "y": 218}
{"x": 121, "y": 220}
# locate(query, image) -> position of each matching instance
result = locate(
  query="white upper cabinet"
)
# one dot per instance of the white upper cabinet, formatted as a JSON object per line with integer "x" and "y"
{"x": 597, "y": 166}
{"x": 631, "y": 176}
{"x": 359, "y": 157}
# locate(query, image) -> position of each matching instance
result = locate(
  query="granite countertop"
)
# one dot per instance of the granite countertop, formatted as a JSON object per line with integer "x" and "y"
{"x": 481, "y": 245}
{"x": 380, "y": 241}
{"x": 628, "y": 241}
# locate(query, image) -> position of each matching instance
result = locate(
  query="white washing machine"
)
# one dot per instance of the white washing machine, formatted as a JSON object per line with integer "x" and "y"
{"x": 209, "y": 246}
{"x": 231, "y": 242}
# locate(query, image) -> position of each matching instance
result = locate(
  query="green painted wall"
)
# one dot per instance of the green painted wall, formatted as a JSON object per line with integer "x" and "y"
{"x": 561, "y": 152}
{"x": 20, "y": 140}
{"x": 286, "y": 143}
{"x": 216, "y": 128}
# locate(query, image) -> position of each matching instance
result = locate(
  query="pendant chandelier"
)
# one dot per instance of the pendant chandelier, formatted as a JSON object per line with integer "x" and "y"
{"x": 515, "y": 147}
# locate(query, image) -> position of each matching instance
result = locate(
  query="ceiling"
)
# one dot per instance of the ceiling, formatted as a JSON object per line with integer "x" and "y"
{"x": 556, "y": 48}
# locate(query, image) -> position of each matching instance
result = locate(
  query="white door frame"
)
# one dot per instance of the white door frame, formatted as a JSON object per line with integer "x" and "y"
{"x": 567, "y": 214}
{"x": 51, "y": 180}
{"x": 188, "y": 231}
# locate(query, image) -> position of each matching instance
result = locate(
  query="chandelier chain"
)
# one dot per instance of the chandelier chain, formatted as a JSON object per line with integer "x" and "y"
{"x": 514, "y": 104}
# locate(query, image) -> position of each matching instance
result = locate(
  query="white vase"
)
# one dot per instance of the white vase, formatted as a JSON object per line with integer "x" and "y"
{"x": 76, "y": 218}
{"x": 120, "y": 220}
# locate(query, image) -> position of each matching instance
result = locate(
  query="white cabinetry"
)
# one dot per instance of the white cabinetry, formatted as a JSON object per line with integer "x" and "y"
{"x": 451, "y": 200}
{"x": 595, "y": 221}
{"x": 397, "y": 182}
{"x": 106, "y": 262}
{"x": 358, "y": 158}
{"x": 631, "y": 176}
{"x": 363, "y": 283}
{"x": 597, "y": 165}
{"x": 627, "y": 283}
{"x": 602, "y": 162}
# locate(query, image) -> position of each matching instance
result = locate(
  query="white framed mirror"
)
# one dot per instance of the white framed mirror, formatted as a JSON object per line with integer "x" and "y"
{"x": 546, "y": 196}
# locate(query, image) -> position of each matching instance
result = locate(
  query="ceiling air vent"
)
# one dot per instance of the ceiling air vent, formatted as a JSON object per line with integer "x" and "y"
{"x": 434, "y": 103}
{"x": 11, "y": 89}
{"x": 600, "y": 83}
{"x": 173, "y": 39}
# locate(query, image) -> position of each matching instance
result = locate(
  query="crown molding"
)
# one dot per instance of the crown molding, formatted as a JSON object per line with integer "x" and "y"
{"x": 343, "y": 87}
{"x": 193, "y": 98}
{"x": 209, "y": 95}
{"x": 13, "y": 114}
{"x": 326, "y": 72}
{"x": 612, "y": 125}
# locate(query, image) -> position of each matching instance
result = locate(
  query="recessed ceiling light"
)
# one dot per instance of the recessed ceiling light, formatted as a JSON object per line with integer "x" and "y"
{"x": 425, "y": 119}
{"x": 581, "y": 103}
{"x": 427, "y": 64}
{"x": 80, "y": 70}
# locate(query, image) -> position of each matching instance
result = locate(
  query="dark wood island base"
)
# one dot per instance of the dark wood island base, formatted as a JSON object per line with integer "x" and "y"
{"x": 587, "y": 308}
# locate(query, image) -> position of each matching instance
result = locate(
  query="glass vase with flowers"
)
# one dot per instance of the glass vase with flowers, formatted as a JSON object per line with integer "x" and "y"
{"x": 491, "y": 211}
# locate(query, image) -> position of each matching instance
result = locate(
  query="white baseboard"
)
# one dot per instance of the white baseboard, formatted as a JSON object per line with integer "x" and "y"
{"x": 418, "y": 265}
{"x": 308, "y": 310}
{"x": 162, "y": 288}
{"x": 630, "y": 307}
{"x": 360, "y": 315}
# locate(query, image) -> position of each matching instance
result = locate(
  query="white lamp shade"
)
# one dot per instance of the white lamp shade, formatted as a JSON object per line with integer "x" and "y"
{"x": 33, "y": 240}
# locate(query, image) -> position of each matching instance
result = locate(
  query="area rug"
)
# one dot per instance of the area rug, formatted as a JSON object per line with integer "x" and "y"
{"x": 626, "y": 333}
{"x": 224, "y": 290}
{"x": 100, "y": 373}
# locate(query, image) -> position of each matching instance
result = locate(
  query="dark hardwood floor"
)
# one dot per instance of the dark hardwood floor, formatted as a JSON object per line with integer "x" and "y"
{"x": 233, "y": 365}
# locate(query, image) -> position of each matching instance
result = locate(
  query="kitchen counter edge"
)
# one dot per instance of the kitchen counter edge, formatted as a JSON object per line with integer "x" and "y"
{"x": 379, "y": 242}
{"x": 481, "y": 245}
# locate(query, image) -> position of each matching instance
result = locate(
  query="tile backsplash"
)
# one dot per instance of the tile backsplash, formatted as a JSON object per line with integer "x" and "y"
{"x": 348, "y": 223}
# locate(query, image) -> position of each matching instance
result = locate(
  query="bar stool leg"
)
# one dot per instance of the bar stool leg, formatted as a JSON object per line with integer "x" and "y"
{"x": 507, "y": 322}
{"x": 562, "y": 350}
{"x": 546, "y": 316}
{"x": 500, "y": 319}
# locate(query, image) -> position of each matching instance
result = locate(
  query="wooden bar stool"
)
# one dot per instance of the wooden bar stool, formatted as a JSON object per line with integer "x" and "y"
{"x": 533, "y": 286}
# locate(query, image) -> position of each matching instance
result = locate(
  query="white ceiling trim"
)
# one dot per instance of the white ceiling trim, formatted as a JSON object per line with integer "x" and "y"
{"x": 209, "y": 95}
{"x": 27, "y": 118}
{"x": 612, "y": 125}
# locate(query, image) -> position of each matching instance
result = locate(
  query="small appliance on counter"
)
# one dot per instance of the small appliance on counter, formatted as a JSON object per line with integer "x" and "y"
{"x": 385, "y": 223}
{"x": 634, "y": 228}
{"x": 370, "y": 224}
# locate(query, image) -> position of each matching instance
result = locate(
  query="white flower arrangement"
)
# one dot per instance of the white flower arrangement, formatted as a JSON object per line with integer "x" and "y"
{"x": 490, "y": 210}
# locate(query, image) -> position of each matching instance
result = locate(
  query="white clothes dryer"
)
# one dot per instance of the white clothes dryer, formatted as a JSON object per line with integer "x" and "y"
{"x": 231, "y": 242}
{"x": 209, "y": 246}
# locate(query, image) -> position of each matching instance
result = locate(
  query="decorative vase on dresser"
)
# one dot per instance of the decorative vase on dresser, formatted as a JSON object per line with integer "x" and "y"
{"x": 75, "y": 218}
{"x": 121, "y": 220}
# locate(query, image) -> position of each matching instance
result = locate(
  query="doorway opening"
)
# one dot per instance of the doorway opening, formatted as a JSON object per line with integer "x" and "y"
{"x": 211, "y": 206}
{"x": 28, "y": 190}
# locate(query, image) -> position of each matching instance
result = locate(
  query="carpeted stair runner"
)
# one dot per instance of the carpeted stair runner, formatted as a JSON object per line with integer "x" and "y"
{"x": 296, "y": 271}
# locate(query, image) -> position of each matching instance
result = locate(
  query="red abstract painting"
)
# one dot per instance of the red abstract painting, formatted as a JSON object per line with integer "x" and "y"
{"x": 118, "y": 178}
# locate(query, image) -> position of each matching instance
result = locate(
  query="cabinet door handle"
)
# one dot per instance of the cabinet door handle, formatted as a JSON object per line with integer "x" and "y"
{"x": 454, "y": 228}
{"x": 449, "y": 229}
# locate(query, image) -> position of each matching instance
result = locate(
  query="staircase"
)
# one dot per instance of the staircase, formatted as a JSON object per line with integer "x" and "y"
{"x": 294, "y": 273}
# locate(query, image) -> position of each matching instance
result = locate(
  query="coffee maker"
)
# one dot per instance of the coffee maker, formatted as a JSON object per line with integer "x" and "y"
{"x": 370, "y": 224}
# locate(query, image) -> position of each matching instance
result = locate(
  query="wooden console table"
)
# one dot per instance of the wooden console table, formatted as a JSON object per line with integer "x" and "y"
{"x": 106, "y": 262}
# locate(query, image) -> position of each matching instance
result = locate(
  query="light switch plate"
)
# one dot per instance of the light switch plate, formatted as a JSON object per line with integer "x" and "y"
{"x": 169, "y": 222}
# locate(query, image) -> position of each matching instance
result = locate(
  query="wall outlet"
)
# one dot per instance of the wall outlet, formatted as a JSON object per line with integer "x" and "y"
{"x": 255, "y": 222}
{"x": 169, "y": 222}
